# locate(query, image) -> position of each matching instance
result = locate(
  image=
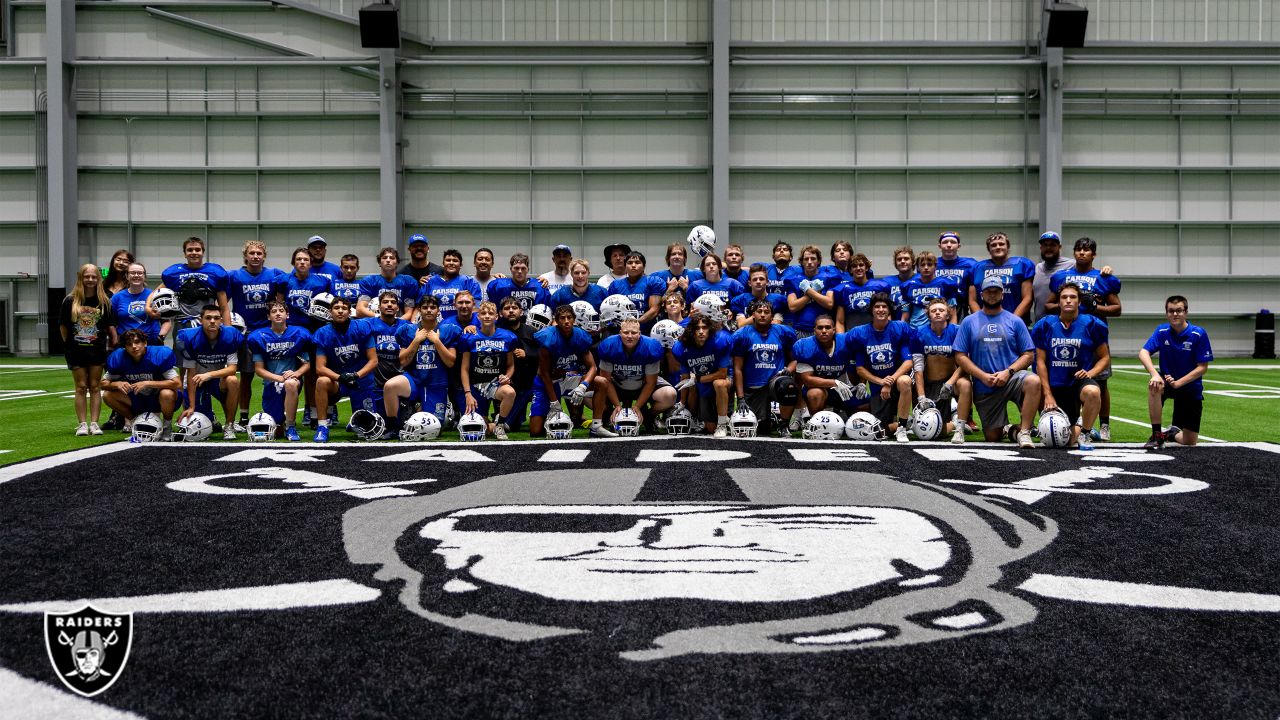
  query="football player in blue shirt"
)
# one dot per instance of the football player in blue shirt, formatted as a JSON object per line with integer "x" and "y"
{"x": 643, "y": 290}
{"x": 347, "y": 283}
{"x": 757, "y": 289}
{"x": 429, "y": 353}
{"x": 713, "y": 282}
{"x": 488, "y": 364}
{"x": 580, "y": 287}
{"x": 345, "y": 365}
{"x": 1015, "y": 273}
{"x": 994, "y": 347}
{"x": 904, "y": 261}
{"x": 318, "y": 248}
{"x": 299, "y": 287}
{"x": 853, "y": 298}
{"x": 1185, "y": 355}
{"x": 519, "y": 286}
{"x": 449, "y": 282}
{"x": 464, "y": 311}
{"x": 1071, "y": 352}
{"x": 405, "y": 287}
{"x": 882, "y": 352}
{"x": 705, "y": 354}
{"x": 525, "y": 351}
{"x": 924, "y": 286}
{"x": 733, "y": 260}
{"x": 385, "y": 331}
{"x": 281, "y": 356}
{"x": 565, "y": 366}
{"x": 810, "y": 292}
{"x": 198, "y": 283}
{"x": 841, "y": 260}
{"x": 937, "y": 375}
{"x": 823, "y": 363}
{"x": 677, "y": 276}
{"x": 959, "y": 269}
{"x": 629, "y": 376}
{"x": 762, "y": 367}
{"x": 249, "y": 289}
{"x": 129, "y": 307}
{"x": 781, "y": 267}
{"x": 210, "y": 355}
{"x": 142, "y": 378}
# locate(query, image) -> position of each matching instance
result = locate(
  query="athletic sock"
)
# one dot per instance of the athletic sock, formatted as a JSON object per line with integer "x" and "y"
{"x": 1105, "y": 419}
{"x": 323, "y": 423}
{"x": 722, "y": 419}
{"x": 1155, "y": 429}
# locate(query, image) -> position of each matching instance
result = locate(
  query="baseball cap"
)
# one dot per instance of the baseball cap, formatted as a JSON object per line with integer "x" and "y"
{"x": 316, "y": 240}
{"x": 561, "y": 248}
{"x": 992, "y": 281}
{"x": 1051, "y": 236}
{"x": 418, "y": 238}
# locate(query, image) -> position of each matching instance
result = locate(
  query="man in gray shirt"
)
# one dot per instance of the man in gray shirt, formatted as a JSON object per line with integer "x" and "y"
{"x": 1051, "y": 261}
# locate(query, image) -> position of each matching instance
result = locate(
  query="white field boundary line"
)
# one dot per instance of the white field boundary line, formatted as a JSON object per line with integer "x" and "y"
{"x": 1206, "y": 438}
{"x": 1208, "y": 380}
{"x": 28, "y": 370}
{"x": 1215, "y": 366}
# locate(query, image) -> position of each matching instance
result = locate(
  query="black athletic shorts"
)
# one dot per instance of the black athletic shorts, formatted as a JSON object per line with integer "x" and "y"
{"x": 1068, "y": 397}
{"x": 1187, "y": 407}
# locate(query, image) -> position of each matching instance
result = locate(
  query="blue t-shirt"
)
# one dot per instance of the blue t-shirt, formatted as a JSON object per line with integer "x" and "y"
{"x": 404, "y": 286}
{"x": 639, "y": 292}
{"x": 446, "y": 290}
{"x": 345, "y": 350}
{"x": 1068, "y": 349}
{"x": 827, "y": 282}
{"x": 280, "y": 352}
{"x": 529, "y": 294}
{"x": 628, "y": 369}
{"x": 895, "y": 283}
{"x": 833, "y": 270}
{"x": 823, "y": 364}
{"x": 856, "y": 300}
{"x": 915, "y": 291}
{"x": 130, "y": 311}
{"x": 763, "y": 356}
{"x": 489, "y": 352}
{"x": 715, "y": 353}
{"x": 1011, "y": 273}
{"x": 298, "y": 294}
{"x": 348, "y": 290}
{"x": 726, "y": 289}
{"x": 566, "y": 296}
{"x": 742, "y": 276}
{"x": 666, "y": 277}
{"x": 203, "y": 354}
{"x": 1181, "y": 352}
{"x": 959, "y": 270}
{"x": 777, "y": 278}
{"x": 249, "y": 294}
{"x": 211, "y": 276}
{"x": 328, "y": 270}
{"x": 156, "y": 363}
{"x": 1092, "y": 281}
{"x": 565, "y": 352}
{"x": 992, "y": 343}
{"x": 426, "y": 368}
{"x": 881, "y": 351}
{"x": 926, "y": 342}
{"x": 739, "y": 304}
{"x": 386, "y": 337}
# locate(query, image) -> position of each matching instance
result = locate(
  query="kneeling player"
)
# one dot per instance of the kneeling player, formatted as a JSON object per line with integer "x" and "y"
{"x": 883, "y": 355}
{"x": 705, "y": 353}
{"x": 564, "y": 357}
{"x": 345, "y": 361}
{"x": 427, "y": 351}
{"x": 281, "y": 357}
{"x": 1071, "y": 352}
{"x": 823, "y": 362}
{"x": 210, "y": 356}
{"x": 142, "y": 378}
{"x": 488, "y": 364}
{"x": 762, "y": 367}
{"x": 1185, "y": 355}
{"x": 629, "y": 367}
{"x": 937, "y": 375}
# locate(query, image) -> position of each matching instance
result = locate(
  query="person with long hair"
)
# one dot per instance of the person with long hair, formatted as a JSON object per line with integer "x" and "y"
{"x": 85, "y": 324}
{"x": 115, "y": 276}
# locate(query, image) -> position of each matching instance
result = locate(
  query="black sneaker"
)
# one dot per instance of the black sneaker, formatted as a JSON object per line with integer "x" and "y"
{"x": 1155, "y": 442}
{"x": 1171, "y": 435}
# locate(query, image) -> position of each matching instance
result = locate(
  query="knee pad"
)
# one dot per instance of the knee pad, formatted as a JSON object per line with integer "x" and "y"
{"x": 782, "y": 388}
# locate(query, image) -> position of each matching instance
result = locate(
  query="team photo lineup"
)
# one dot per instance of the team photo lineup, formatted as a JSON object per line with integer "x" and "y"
{"x": 809, "y": 342}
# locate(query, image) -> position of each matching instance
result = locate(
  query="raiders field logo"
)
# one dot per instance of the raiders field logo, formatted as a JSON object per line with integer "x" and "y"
{"x": 88, "y": 647}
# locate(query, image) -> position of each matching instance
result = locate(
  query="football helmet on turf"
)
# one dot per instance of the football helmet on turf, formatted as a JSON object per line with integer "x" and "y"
{"x": 1055, "y": 428}
{"x": 679, "y": 420}
{"x": 743, "y": 423}
{"x": 472, "y": 427}
{"x": 864, "y": 426}
{"x": 824, "y": 425}
{"x": 366, "y": 424}
{"x": 559, "y": 426}
{"x": 626, "y": 423}
{"x": 196, "y": 427}
{"x": 927, "y": 422}
{"x": 261, "y": 428}
{"x": 421, "y": 426}
{"x": 147, "y": 427}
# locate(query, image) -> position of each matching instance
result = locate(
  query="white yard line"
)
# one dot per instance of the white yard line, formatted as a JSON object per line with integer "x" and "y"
{"x": 29, "y": 369}
{"x": 1208, "y": 380}
{"x": 1206, "y": 438}
{"x": 1215, "y": 366}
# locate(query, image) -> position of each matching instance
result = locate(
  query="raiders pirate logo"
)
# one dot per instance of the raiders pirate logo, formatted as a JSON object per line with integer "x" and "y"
{"x": 88, "y": 647}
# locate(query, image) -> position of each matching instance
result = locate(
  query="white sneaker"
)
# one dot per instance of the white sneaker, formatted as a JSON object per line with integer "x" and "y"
{"x": 238, "y": 427}
{"x": 82, "y": 429}
{"x": 166, "y": 434}
{"x": 229, "y": 432}
{"x": 797, "y": 422}
{"x": 94, "y": 429}
{"x": 499, "y": 431}
{"x": 901, "y": 434}
{"x": 722, "y": 430}
{"x": 599, "y": 430}
{"x": 1104, "y": 432}
{"x": 1024, "y": 439}
{"x": 957, "y": 437}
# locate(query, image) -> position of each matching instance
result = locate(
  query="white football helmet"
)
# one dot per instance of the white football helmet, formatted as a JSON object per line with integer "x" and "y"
{"x": 666, "y": 332}
{"x": 147, "y": 427}
{"x": 824, "y": 425}
{"x": 321, "y": 306}
{"x": 616, "y": 308}
{"x": 261, "y": 428}
{"x": 1055, "y": 428}
{"x": 626, "y": 423}
{"x": 713, "y": 307}
{"x": 559, "y": 426}
{"x": 366, "y": 424}
{"x": 165, "y": 302}
{"x": 587, "y": 317}
{"x": 237, "y": 322}
{"x": 539, "y": 317}
{"x": 679, "y": 420}
{"x": 472, "y": 427}
{"x": 743, "y": 423}
{"x": 701, "y": 240}
{"x": 864, "y": 426}
{"x": 421, "y": 426}
{"x": 927, "y": 423}
{"x": 196, "y": 427}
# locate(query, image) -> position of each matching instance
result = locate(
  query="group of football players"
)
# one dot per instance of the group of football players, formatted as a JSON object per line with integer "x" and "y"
{"x": 728, "y": 348}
